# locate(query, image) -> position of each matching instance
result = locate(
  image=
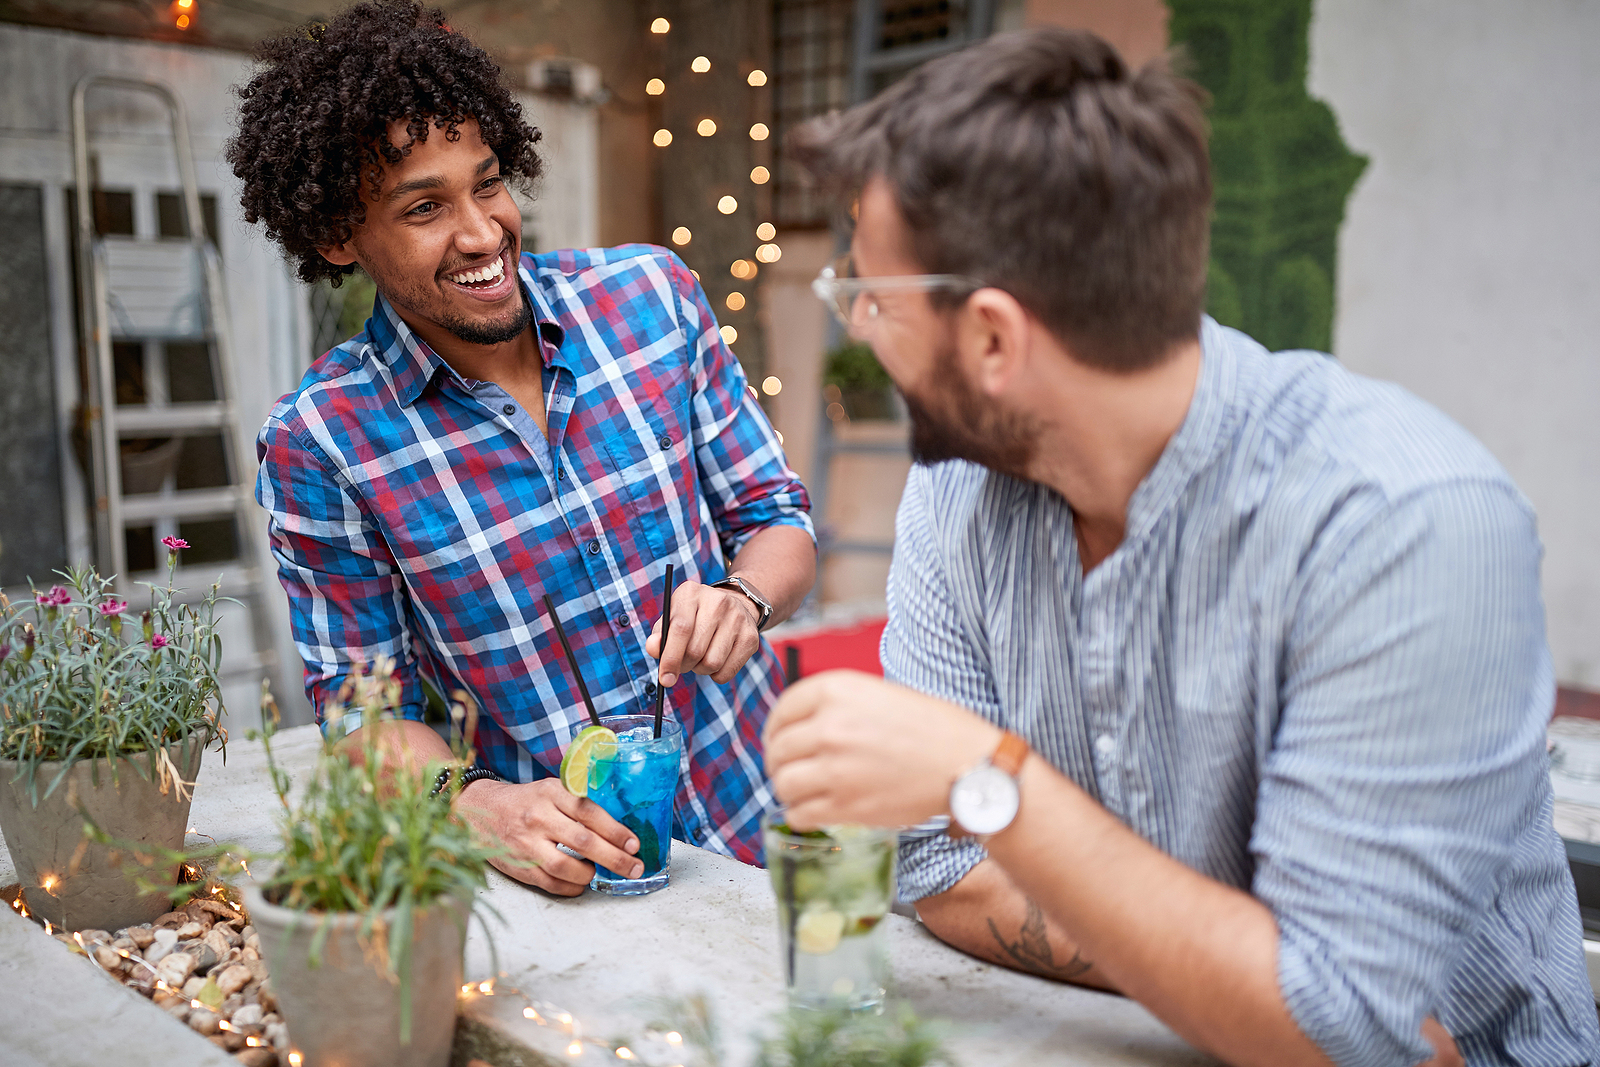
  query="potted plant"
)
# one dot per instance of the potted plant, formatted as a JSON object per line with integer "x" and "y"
{"x": 363, "y": 914}
{"x": 104, "y": 715}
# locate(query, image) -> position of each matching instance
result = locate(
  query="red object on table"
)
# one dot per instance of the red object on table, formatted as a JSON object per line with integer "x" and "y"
{"x": 854, "y": 647}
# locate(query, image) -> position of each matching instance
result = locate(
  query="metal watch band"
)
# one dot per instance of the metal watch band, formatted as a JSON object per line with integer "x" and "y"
{"x": 733, "y": 581}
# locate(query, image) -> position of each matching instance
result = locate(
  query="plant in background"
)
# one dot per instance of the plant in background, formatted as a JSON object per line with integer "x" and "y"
{"x": 855, "y": 384}
{"x": 81, "y": 678}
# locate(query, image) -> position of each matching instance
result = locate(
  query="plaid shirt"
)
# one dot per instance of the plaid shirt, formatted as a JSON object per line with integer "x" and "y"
{"x": 419, "y": 515}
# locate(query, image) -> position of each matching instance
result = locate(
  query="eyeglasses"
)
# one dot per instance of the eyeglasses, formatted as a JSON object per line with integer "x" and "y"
{"x": 854, "y": 301}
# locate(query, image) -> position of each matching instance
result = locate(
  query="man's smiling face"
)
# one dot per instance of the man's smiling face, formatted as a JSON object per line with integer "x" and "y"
{"x": 441, "y": 241}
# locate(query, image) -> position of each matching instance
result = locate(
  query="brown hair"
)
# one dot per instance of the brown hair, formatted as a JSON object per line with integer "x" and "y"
{"x": 1038, "y": 163}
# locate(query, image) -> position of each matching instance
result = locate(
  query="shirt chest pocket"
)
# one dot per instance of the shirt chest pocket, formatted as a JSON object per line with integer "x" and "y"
{"x": 655, "y": 468}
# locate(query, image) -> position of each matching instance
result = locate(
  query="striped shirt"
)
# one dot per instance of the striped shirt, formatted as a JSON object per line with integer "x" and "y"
{"x": 420, "y": 515}
{"x": 1314, "y": 669}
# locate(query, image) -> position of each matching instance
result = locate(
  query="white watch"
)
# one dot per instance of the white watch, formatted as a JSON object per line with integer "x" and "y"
{"x": 986, "y": 799}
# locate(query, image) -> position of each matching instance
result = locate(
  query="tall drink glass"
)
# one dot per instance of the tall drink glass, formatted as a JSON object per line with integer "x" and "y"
{"x": 636, "y": 784}
{"x": 834, "y": 888}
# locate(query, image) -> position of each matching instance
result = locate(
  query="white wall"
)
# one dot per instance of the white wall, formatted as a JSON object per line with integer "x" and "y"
{"x": 1469, "y": 262}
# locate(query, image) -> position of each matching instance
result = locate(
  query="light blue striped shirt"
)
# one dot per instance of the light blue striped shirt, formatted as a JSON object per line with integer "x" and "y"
{"x": 1315, "y": 669}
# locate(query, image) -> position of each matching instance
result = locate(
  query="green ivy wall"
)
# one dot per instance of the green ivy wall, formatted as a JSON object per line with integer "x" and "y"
{"x": 1281, "y": 169}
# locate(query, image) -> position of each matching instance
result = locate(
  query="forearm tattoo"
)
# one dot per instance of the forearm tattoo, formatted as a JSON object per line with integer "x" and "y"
{"x": 1031, "y": 950}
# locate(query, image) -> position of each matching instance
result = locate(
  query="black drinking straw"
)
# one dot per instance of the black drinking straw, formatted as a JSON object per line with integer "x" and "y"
{"x": 572, "y": 661}
{"x": 666, "y": 622}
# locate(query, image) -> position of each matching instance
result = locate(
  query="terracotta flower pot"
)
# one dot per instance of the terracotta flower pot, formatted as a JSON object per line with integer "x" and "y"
{"x": 346, "y": 1012}
{"x": 87, "y": 886}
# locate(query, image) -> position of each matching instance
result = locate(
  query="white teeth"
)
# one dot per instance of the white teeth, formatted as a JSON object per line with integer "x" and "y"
{"x": 492, "y": 271}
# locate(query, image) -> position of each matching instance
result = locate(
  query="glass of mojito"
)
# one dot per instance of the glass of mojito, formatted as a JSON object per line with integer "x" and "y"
{"x": 834, "y": 887}
{"x": 635, "y": 779}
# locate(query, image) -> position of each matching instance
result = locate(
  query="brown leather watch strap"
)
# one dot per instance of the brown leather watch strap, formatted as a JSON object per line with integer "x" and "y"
{"x": 1010, "y": 753}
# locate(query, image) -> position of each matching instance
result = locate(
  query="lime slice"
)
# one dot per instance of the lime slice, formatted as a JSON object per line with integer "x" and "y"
{"x": 818, "y": 932}
{"x": 591, "y": 741}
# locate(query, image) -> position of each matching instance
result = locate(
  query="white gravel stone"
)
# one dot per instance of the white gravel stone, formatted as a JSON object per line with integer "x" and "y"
{"x": 175, "y": 968}
{"x": 249, "y": 1015}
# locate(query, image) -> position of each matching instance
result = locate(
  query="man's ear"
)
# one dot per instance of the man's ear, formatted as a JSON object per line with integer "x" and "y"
{"x": 340, "y": 255}
{"x": 996, "y": 335}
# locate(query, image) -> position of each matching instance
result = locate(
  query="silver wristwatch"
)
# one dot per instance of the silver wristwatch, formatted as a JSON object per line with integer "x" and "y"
{"x": 985, "y": 799}
{"x": 733, "y": 581}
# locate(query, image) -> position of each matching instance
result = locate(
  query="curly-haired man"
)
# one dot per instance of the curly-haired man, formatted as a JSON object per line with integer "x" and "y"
{"x": 508, "y": 426}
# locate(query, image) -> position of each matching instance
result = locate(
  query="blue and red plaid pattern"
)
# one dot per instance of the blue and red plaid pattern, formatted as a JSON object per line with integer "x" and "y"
{"x": 409, "y": 518}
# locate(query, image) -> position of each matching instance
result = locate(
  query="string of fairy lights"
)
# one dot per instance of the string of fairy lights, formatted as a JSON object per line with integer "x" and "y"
{"x": 653, "y": 1048}
{"x": 767, "y": 250}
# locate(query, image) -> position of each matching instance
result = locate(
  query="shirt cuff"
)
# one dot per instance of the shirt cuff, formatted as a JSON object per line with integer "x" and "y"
{"x": 931, "y": 863}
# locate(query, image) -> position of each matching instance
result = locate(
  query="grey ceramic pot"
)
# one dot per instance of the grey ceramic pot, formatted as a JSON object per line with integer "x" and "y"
{"x": 89, "y": 889}
{"x": 346, "y": 1012}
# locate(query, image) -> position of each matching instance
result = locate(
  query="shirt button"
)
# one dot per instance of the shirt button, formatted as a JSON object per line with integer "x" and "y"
{"x": 664, "y": 441}
{"x": 594, "y": 547}
{"x": 561, "y": 472}
{"x": 1105, "y": 744}
{"x": 622, "y": 622}
{"x": 649, "y": 689}
{"x": 510, "y": 409}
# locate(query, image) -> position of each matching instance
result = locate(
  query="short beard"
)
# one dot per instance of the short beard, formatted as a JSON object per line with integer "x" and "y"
{"x": 474, "y": 333}
{"x": 477, "y": 333}
{"x": 954, "y": 421}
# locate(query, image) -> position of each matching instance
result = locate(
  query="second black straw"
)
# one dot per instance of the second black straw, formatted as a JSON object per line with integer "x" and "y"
{"x": 666, "y": 624}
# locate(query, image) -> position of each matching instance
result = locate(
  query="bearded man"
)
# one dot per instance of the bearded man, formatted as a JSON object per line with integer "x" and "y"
{"x": 1226, "y": 669}
{"x": 509, "y": 426}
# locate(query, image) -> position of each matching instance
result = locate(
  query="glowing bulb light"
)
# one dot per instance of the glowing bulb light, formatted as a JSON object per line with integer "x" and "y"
{"x": 772, "y": 385}
{"x": 295, "y": 1059}
{"x": 624, "y": 1052}
{"x": 727, "y": 205}
{"x": 655, "y": 87}
{"x": 705, "y": 128}
{"x": 729, "y": 335}
{"x": 769, "y": 253}
{"x": 662, "y": 138}
{"x": 766, "y": 231}
{"x": 761, "y": 175}
{"x": 759, "y": 132}
{"x": 742, "y": 268}
{"x": 735, "y": 301}
{"x": 757, "y": 78}
{"x": 681, "y": 236}
{"x": 700, "y": 65}
{"x": 575, "y": 1049}
{"x": 183, "y": 22}
{"x": 660, "y": 26}
{"x": 674, "y": 1038}
{"x": 486, "y": 987}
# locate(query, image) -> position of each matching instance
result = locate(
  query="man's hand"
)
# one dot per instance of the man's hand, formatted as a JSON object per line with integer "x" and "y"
{"x": 848, "y": 747}
{"x": 713, "y": 632}
{"x": 530, "y": 820}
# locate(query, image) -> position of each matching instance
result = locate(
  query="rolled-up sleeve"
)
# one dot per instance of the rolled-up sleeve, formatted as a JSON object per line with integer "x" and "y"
{"x": 743, "y": 473}
{"x": 925, "y": 647}
{"x": 347, "y": 601}
{"x": 1408, "y": 761}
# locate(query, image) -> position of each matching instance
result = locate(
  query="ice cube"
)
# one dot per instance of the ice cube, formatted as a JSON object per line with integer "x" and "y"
{"x": 638, "y": 733}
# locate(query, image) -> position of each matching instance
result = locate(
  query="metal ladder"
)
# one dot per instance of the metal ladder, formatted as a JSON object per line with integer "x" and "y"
{"x": 162, "y": 290}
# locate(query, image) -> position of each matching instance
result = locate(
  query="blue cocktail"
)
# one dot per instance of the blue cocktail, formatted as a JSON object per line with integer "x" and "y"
{"x": 636, "y": 784}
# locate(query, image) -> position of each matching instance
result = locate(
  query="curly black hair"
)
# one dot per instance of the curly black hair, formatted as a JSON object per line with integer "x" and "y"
{"x": 313, "y": 121}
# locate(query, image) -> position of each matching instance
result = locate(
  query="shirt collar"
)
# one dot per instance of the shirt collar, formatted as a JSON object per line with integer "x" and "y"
{"x": 1200, "y": 436}
{"x": 414, "y": 364}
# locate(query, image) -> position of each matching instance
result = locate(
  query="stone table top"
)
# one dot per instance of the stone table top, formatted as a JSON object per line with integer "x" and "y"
{"x": 607, "y": 962}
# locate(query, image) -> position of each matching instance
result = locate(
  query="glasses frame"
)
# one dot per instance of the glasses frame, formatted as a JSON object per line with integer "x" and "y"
{"x": 840, "y": 293}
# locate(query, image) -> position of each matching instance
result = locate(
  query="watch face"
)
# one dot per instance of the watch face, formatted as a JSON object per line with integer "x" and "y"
{"x": 984, "y": 800}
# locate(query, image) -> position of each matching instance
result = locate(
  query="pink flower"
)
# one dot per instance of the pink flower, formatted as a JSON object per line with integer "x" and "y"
{"x": 55, "y": 598}
{"x": 174, "y": 543}
{"x": 160, "y": 641}
{"x": 113, "y": 607}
